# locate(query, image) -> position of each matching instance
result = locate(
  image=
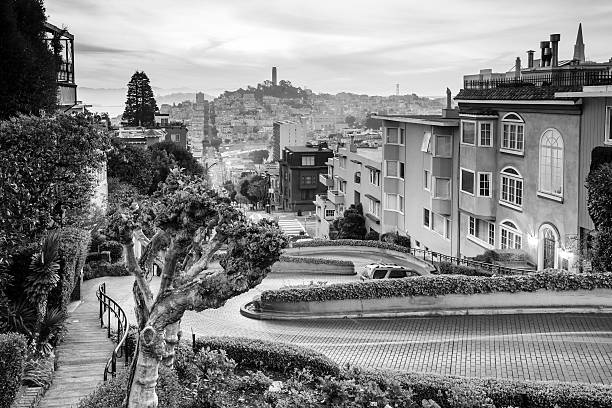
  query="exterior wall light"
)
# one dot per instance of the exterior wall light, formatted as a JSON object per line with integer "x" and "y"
{"x": 532, "y": 239}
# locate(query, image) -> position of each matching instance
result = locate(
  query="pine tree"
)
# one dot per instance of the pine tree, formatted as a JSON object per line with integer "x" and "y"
{"x": 27, "y": 66}
{"x": 140, "y": 105}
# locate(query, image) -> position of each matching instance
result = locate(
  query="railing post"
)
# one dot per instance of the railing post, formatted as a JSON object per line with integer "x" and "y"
{"x": 101, "y": 311}
{"x": 108, "y": 320}
{"x": 114, "y": 364}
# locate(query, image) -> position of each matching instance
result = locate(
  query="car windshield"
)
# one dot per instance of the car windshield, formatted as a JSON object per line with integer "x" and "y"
{"x": 379, "y": 274}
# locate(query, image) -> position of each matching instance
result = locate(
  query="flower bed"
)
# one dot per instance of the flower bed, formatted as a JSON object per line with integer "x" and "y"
{"x": 280, "y": 357}
{"x": 503, "y": 393}
{"x": 442, "y": 285}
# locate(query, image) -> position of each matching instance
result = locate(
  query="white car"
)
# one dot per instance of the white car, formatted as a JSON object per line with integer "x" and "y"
{"x": 387, "y": 271}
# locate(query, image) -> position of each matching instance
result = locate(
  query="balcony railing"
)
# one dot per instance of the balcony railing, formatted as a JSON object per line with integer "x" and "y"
{"x": 335, "y": 196}
{"x": 561, "y": 78}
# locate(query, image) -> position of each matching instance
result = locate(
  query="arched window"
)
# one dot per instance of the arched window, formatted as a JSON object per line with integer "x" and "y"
{"x": 511, "y": 191}
{"x": 513, "y": 133}
{"x": 511, "y": 236}
{"x": 551, "y": 163}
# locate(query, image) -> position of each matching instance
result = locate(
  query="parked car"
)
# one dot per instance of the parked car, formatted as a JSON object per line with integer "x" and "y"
{"x": 387, "y": 271}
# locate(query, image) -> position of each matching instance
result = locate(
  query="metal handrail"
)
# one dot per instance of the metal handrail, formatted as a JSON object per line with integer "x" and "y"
{"x": 108, "y": 305}
{"x": 434, "y": 257}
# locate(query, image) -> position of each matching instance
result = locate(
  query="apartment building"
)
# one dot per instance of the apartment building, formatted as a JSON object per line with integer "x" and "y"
{"x": 525, "y": 150}
{"x": 418, "y": 178}
{"x": 286, "y": 133}
{"x": 353, "y": 176}
{"x": 299, "y": 172}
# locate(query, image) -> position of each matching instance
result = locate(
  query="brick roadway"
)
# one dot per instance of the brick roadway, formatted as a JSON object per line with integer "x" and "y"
{"x": 564, "y": 347}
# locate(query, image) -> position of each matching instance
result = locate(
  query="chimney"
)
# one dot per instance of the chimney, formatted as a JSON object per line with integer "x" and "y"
{"x": 517, "y": 68}
{"x": 530, "y": 58}
{"x": 449, "y": 112}
{"x": 545, "y": 53}
{"x": 554, "y": 39}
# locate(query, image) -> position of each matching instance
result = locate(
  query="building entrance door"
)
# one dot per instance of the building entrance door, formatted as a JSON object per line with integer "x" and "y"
{"x": 549, "y": 249}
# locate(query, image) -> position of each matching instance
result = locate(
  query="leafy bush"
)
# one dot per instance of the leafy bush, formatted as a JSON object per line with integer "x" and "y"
{"x": 438, "y": 285}
{"x": 372, "y": 236}
{"x": 115, "y": 249}
{"x": 451, "y": 392}
{"x": 274, "y": 356}
{"x": 12, "y": 359}
{"x": 317, "y": 261}
{"x": 397, "y": 239}
{"x": 98, "y": 257}
{"x": 100, "y": 269}
{"x": 112, "y": 392}
{"x": 38, "y": 372}
{"x": 447, "y": 268}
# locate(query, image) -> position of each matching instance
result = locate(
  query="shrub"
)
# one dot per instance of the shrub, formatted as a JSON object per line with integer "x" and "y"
{"x": 112, "y": 392}
{"x": 451, "y": 392}
{"x": 38, "y": 372}
{"x": 12, "y": 359}
{"x": 372, "y": 236}
{"x": 438, "y": 285}
{"x": 352, "y": 242}
{"x": 317, "y": 261}
{"x": 447, "y": 268}
{"x": 115, "y": 249}
{"x": 279, "y": 357}
{"x": 101, "y": 269}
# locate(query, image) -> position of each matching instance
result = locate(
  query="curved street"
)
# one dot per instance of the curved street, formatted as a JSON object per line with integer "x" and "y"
{"x": 564, "y": 347}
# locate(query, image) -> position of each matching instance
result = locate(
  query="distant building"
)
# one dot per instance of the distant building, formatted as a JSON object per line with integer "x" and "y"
{"x": 286, "y": 133}
{"x": 140, "y": 136}
{"x": 176, "y": 134}
{"x": 299, "y": 172}
{"x": 162, "y": 119}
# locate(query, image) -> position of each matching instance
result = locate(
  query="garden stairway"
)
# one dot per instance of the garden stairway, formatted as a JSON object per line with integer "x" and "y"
{"x": 82, "y": 357}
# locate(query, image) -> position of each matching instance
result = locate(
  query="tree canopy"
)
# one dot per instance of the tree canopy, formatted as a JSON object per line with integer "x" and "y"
{"x": 140, "y": 105}
{"x": 48, "y": 172}
{"x": 131, "y": 164}
{"x": 28, "y": 68}
{"x": 599, "y": 204}
{"x": 352, "y": 225}
{"x": 258, "y": 156}
{"x": 165, "y": 155}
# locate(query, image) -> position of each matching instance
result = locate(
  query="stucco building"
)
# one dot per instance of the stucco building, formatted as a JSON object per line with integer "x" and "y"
{"x": 286, "y": 133}
{"x": 353, "y": 176}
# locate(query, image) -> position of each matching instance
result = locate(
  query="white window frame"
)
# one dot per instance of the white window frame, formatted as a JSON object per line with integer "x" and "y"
{"x": 518, "y": 123}
{"x": 308, "y": 159}
{"x": 426, "y": 180}
{"x": 333, "y": 212}
{"x": 461, "y": 170}
{"x": 435, "y": 152}
{"x": 541, "y": 192}
{"x": 490, "y": 177}
{"x": 374, "y": 177}
{"x": 490, "y": 124}
{"x": 374, "y": 207}
{"x": 608, "y": 126}
{"x": 387, "y": 136}
{"x": 445, "y": 224}
{"x": 509, "y": 230}
{"x": 516, "y": 178}
{"x": 474, "y": 236}
{"x": 475, "y": 123}
{"x": 387, "y": 168}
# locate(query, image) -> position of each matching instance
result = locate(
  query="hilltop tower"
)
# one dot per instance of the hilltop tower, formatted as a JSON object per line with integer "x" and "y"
{"x": 274, "y": 76}
{"x": 579, "y": 46}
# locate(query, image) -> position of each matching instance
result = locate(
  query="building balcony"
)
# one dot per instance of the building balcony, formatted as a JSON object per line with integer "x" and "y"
{"x": 441, "y": 206}
{"x": 320, "y": 200}
{"x": 336, "y": 197}
{"x": 442, "y": 167}
{"x": 326, "y": 180}
{"x": 566, "y": 78}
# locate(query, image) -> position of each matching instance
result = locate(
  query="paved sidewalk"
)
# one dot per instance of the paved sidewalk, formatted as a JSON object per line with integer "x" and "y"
{"x": 563, "y": 347}
{"x": 82, "y": 356}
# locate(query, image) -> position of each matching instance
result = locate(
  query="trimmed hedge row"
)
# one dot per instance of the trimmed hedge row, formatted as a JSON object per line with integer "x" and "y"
{"x": 12, "y": 359}
{"x": 504, "y": 393}
{"x": 317, "y": 261}
{"x": 438, "y": 285}
{"x": 279, "y": 357}
{"x": 100, "y": 269}
{"x": 351, "y": 242}
{"x": 447, "y": 268}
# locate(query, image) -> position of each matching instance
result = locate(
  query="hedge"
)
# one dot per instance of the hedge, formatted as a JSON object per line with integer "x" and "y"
{"x": 437, "y": 285}
{"x": 115, "y": 249}
{"x": 100, "y": 269}
{"x": 504, "y": 393}
{"x": 317, "y": 261}
{"x": 279, "y": 357}
{"x": 352, "y": 242}
{"x": 74, "y": 246}
{"x": 447, "y": 268}
{"x": 12, "y": 359}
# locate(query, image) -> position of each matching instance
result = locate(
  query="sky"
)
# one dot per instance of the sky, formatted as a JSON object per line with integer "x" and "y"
{"x": 325, "y": 45}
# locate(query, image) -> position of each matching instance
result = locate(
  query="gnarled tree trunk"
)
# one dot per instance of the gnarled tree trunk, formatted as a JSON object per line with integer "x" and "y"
{"x": 151, "y": 350}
